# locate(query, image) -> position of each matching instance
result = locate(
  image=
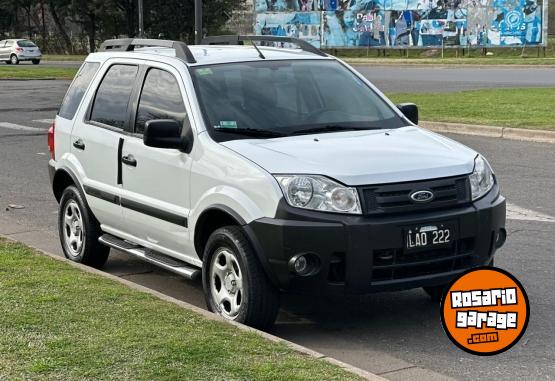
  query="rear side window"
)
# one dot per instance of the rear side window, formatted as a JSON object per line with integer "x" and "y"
{"x": 112, "y": 96}
{"x": 160, "y": 99}
{"x": 77, "y": 89}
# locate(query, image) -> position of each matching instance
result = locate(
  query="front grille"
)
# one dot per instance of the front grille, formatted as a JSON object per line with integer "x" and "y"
{"x": 391, "y": 264}
{"x": 395, "y": 198}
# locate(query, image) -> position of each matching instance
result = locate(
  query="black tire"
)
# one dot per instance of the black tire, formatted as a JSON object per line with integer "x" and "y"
{"x": 436, "y": 292}
{"x": 35, "y": 62}
{"x": 259, "y": 297}
{"x": 8, "y": 62}
{"x": 90, "y": 252}
{"x": 14, "y": 60}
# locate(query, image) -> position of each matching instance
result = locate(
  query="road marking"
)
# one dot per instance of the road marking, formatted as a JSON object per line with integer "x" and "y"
{"x": 46, "y": 121}
{"x": 13, "y": 126}
{"x": 515, "y": 212}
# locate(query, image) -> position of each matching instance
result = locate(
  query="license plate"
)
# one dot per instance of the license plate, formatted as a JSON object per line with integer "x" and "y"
{"x": 430, "y": 236}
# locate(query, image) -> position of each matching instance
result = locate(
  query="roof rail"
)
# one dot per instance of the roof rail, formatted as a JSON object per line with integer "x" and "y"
{"x": 239, "y": 40}
{"x": 129, "y": 44}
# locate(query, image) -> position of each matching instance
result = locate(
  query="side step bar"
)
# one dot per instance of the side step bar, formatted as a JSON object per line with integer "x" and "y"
{"x": 161, "y": 260}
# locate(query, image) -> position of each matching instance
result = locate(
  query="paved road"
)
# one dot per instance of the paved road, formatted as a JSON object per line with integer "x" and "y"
{"x": 435, "y": 79}
{"x": 397, "y": 334}
{"x": 455, "y": 78}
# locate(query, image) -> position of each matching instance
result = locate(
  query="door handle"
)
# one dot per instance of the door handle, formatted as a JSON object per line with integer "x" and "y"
{"x": 129, "y": 160}
{"x": 79, "y": 144}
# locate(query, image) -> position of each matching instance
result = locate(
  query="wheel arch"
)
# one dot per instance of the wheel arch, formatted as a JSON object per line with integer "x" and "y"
{"x": 218, "y": 216}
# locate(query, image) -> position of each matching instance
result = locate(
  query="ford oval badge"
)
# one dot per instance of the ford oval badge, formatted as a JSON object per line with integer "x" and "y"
{"x": 422, "y": 196}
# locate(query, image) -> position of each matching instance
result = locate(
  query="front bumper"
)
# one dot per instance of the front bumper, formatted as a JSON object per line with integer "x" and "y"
{"x": 362, "y": 254}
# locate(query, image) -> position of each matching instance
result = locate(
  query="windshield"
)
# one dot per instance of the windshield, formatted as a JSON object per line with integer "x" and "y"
{"x": 26, "y": 44}
{"x": 281, "y": 98}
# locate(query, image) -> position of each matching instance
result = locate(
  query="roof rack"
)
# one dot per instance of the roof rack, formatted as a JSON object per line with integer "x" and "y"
{"x": 129, "y": 44}
{"x": 239, "y": 40}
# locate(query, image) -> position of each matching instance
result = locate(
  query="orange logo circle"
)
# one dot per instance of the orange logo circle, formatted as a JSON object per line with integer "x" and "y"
{"x": 485, "y": 311}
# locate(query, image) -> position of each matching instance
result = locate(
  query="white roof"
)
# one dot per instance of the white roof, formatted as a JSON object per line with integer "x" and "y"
{"x": 214, "y": 54}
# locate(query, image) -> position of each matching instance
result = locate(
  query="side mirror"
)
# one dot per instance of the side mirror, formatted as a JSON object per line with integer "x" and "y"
{"x": 164, "y": 133}
{"x": 410, "y": 110}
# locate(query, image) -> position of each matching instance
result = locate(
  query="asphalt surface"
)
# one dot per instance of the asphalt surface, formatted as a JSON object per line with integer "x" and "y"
{"x": 397, "y": 335}
{"x": 430, "y": 78}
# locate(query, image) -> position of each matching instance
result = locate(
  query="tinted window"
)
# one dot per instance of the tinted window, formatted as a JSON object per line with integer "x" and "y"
{"x": 112, "y": 96}
{"x": 26, "y": 44}
{"x": 287, "y": 97}
{"x": 160, "y": 99}
{"x": 77, "y": 89}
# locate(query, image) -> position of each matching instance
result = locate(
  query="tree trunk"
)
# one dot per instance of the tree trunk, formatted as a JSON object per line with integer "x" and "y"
{"x": 92, "y": 32}
{"x": 61, "y": 28}
{"x": 44, "y": 38}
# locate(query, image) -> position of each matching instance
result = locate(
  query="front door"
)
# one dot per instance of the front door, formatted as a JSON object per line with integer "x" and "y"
{"x": 155, "y": 199}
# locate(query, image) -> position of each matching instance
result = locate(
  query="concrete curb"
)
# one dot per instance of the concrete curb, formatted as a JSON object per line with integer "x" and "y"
{"x": 538, "y": 136}
{"x": 208, "y": 315}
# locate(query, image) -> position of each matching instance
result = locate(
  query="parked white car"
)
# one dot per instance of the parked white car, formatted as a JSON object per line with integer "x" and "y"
{"x": 264, "y": 170}
{"x": 16, "y": 50}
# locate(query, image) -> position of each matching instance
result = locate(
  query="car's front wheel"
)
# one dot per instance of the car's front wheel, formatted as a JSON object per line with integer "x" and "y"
{"x": 79, "y": 230}
{"x": 14, "y": 60}
{"x": 235, "y": 285}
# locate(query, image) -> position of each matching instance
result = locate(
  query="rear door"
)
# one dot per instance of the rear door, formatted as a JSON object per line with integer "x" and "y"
{"x": 4, "y": 50}
{"x": 155, "y": 197}
{"x": 97, "y": 140}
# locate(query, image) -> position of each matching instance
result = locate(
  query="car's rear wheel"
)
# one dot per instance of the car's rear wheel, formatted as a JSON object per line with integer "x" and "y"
{"x": 14, "y": 60}
{"x": 79, "y": 230}
{"x": 36, "y": 62}
{"x": 235, "y": 285}
{"x": 436, "y": 292}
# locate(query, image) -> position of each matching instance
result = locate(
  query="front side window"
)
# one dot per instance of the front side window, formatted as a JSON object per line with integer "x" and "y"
{"x": 77, "y": 89}
{"x": 283, "y": 98}
{"x": 113, "y": 94}
{"x": 160, "y": 99}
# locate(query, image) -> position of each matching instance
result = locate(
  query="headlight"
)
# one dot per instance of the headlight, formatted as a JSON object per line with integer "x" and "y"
{"x": 481, "y": 179}
{"x": 319, "y": 193}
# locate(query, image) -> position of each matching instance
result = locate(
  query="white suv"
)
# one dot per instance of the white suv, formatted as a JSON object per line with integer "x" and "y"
{"x": 264, "y": 169}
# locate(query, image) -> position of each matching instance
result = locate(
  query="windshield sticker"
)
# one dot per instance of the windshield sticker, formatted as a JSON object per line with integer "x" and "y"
{"x": 227, "y": 124}
{"x": 204, "y": 71}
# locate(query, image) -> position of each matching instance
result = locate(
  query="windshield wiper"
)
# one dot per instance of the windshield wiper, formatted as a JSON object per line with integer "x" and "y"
{"x": 252, "y": 132}
{"x": 331, "y": 128}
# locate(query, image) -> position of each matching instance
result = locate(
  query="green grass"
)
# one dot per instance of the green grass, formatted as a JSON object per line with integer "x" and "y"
{"x": 520, "y": 107}
{"x": 63, "y": 57}
{"x": 60, "y": 323}
{"x": 36, "y": 72}
{"x": 501, "y": 56}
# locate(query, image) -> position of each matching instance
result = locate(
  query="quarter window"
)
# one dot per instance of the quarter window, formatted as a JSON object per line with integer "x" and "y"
{"x": 160, "y": 99}
{"x": 112, "y": 96}
{"x": 77, "y": 89}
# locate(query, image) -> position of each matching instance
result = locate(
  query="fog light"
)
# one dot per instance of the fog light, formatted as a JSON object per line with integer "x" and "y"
{"x": 304, "y": 264}
{"x": 300, "y": 264}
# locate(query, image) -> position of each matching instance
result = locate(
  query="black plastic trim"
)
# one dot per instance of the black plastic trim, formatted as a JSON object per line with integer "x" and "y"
{"x": 154, "y": 212}
{"x": 106, "y": 196}
{"x": 137, "y": 206}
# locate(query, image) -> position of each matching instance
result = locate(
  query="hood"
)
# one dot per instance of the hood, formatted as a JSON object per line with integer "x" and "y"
{"x": 361, "y": 157}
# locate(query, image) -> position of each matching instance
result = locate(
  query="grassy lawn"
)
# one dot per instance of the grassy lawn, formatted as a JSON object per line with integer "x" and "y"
{"x": 449, "y": 61}
{"x": 59, "y": 323}
{"x": 36, "y": 72}
{"x": 63, "y": 57}
{"x": 521, "y": 108}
